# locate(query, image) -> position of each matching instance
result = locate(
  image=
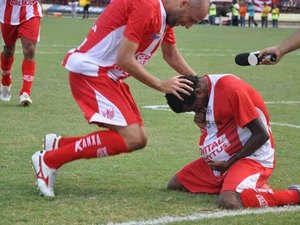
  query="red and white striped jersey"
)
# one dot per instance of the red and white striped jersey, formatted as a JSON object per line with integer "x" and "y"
{"x": 232, "y": 104}
{"x": 15, "y": 12}
{"x": 140, "y": 21}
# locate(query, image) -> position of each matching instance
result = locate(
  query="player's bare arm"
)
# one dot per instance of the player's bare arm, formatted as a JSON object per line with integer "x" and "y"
{"x": 127, "y": 61}
{"x": 258, "y": 138}
{"x": 174, "y": 58}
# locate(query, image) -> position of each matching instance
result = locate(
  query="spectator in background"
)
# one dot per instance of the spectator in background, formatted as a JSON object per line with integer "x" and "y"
{"x": 86, "y": 6}
{"x": 251, "y": 13}
{"x": 212, "y": 13}
{"x": 242, "y": 11}
{"x": 235, "y": 13}
{"x": 264, "y": 15}
{"x": 73, "y": 5}
{"x": 275, "y": 15}
{"x": 222, "y": 12}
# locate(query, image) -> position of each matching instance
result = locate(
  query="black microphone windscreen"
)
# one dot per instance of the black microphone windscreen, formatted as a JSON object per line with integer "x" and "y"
{"x": 242, "y": 59}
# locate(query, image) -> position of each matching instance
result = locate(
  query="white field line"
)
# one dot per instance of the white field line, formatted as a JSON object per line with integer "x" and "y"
{"x": 166, "y": 108}
{"x": 209, "y": 215}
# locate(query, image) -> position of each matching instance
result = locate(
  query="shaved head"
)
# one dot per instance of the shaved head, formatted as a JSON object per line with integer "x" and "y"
{"x": 186, "y": 12}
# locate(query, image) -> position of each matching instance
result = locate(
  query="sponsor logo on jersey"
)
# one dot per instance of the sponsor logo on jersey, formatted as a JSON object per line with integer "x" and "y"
{"x": 211, "y": 151}
{"x": 22, "y": 2}
{"x": 91, "y": 140}
{"x": 142, "y": 58}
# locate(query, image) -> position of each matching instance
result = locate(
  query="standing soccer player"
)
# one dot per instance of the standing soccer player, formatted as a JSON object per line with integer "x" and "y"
{"x": 19, "y": 19}
{"x": 121, "y": 41}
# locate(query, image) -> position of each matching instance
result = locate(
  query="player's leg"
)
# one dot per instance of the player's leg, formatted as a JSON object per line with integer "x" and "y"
{"x": 243, "y": 174}
{"x": 99, "y": 144}
{"x": 107, "y": 103}
{"x": 257, "y": 197}
{"x": 10, "y": 35}
{"x": 94, "y": 145}
{"x": 91, "y": 107}
{"x": 29, "y": 33}
{"x": 196, "y": 177}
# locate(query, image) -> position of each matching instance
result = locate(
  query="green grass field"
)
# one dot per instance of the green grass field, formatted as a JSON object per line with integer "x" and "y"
{"x": 133, "y": 187}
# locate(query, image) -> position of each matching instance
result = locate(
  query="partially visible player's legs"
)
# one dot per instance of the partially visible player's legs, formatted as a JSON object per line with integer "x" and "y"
{"x": 28, "y": 71}
{"x": 104, "y": 102}
{"x": 10, "y": 35}
{"x": 243, "y": 174}
{"x": 196, "y": 177}
{"x": 7, "y": 59}
{"x": 94, "y": 145}
{"x": 29, "y": 33}
{"x": 254, "y": 198}
{"x": 98, "y": 144}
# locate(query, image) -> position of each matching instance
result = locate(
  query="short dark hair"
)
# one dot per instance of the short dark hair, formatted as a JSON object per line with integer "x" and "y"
{"x": 175, "y": 103}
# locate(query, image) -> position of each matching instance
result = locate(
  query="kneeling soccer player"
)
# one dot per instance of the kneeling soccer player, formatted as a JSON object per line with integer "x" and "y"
{"x": 236, "y": 145}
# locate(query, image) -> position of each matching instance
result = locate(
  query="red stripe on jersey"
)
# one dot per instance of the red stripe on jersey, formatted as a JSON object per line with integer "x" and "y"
{"x": 22, "y": 14}
{"x": 35, "y": 9}
{"x": 8, "y": 13}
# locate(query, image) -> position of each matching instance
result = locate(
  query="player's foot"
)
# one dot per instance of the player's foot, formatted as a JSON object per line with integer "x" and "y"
{"x": 295, "y": 187}
{"x": 45, "y": 176}
{"x": 51, "y": 141}
{"x": 5, "y": 93}
{"x": 25, "y": 99}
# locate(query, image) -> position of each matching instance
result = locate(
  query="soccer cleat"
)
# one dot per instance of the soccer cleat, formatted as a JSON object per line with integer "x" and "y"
{"x": 25, "y": 99}
{"x": 295, "y": 187}
{"x": 45, "y": 176}
{"x": 5, "y": 93}
{"x": 51, "y": 141}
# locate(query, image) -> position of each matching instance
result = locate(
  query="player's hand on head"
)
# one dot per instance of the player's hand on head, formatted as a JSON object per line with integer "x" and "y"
{"x": 176, "y": 85}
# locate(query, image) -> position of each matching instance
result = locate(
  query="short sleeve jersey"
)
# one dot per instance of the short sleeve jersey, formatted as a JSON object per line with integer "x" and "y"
{"x": 15, "y": 12}
{"x": 140, "y": 21}
{"x": 232, "y": 105}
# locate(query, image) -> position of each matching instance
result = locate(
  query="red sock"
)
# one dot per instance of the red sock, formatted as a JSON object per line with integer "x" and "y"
{"x": 28, "y": 71}
{"x": 6, "y": 64}
{"x": 97, "y": 144}
{"x": 255, "y": 198}
{"x": 63, "y": 141}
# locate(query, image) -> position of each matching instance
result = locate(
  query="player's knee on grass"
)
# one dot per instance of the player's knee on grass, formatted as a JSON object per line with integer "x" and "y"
{"x": 175, "y": 185}
{"x": 230, "y": 200}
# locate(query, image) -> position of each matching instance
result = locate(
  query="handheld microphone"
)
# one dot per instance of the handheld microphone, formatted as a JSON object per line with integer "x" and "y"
{"x": 251, "y": 59}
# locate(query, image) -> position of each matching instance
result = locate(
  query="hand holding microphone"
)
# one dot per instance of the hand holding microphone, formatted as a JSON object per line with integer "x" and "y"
{"x": 252, "y": 59}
